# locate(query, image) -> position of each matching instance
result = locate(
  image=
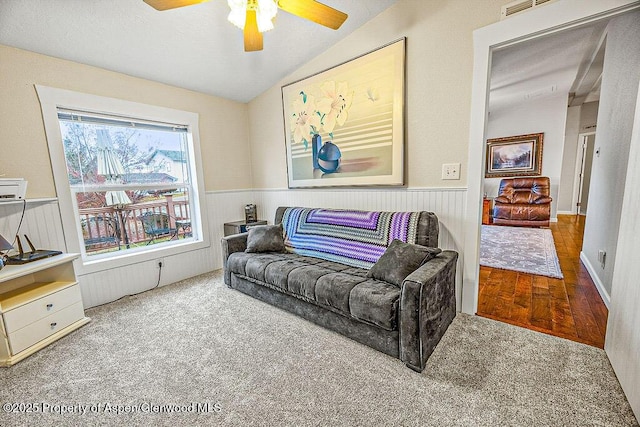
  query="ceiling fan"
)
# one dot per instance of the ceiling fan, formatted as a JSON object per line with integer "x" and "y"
{"x": 255, "y": 16}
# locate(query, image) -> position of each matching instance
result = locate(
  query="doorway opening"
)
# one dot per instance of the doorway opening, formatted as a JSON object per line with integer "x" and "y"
{"x": 528, "y": 95}
{"x": 480, "y": 126}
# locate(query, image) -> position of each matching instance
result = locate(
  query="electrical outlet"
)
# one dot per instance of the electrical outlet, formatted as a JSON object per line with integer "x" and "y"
{"x": 451, "y": 171}
{"x": 160, "y": 263}
{"x": 602, "y": 257}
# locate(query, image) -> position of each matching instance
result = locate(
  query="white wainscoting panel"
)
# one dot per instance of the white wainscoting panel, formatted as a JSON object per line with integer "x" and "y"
{"x": 224, "y": 206}
{"x": 41, "y": 223}
{"x": 447, "y": 203}
{"x": 109, "y": 285}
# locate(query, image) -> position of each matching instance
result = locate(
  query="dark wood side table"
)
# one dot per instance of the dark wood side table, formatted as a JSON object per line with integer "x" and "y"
{"x": 236, "y": 227}
{"x": 486, "y": 211}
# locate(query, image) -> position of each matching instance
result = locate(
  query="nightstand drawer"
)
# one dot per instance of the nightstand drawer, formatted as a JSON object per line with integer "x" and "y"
{"x": 37, "y": 331}
{"x": 33, "y": 311}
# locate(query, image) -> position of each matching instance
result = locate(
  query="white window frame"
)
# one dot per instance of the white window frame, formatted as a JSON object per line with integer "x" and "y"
{"x": 51, "y": 99}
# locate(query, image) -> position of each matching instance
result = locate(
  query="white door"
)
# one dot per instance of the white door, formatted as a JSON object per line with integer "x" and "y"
{"x": 584, "y": 160}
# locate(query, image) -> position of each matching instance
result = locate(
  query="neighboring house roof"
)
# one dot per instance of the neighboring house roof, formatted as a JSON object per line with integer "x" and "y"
{"x": 175, "y": 156}
{"x": 135, "y": 178}
{"x": 146, "y": 178}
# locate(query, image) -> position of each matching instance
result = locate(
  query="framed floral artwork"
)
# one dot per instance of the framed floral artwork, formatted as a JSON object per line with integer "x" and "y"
{"x": 345, "y": 126}
{"x": 519, "y": 155}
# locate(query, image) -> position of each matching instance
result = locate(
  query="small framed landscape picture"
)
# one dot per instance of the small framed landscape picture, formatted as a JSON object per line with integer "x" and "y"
{"x": 519, "y": 155}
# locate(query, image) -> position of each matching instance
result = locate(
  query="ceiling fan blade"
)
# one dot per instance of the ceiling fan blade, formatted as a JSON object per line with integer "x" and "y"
{"x": 252, "y": 37}
{"x": 314, "y": 11}
{"x": 171, "y": 4}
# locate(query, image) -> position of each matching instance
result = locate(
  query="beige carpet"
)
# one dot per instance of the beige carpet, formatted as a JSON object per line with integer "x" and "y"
{"x": 200, "y": 343}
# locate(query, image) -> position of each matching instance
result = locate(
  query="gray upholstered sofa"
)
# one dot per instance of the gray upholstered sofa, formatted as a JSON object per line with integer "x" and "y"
{"x": 310, "y": 278}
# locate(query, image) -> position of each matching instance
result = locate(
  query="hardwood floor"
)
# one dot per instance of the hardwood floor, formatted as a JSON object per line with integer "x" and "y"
{"x": 569, "y": 308}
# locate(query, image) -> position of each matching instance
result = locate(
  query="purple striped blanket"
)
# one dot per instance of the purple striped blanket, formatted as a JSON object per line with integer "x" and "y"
{"x": 355, "y": 238}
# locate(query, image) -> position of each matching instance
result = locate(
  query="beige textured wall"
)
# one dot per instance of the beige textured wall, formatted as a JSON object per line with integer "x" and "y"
{"x": 24, "y": 152}
{"x": 618, "y": 93}
{"x": 439, "y": 73}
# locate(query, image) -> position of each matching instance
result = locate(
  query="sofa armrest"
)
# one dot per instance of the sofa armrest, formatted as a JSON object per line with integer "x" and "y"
{"x": 427, "y": 307}
{"x": 231, "y": 244}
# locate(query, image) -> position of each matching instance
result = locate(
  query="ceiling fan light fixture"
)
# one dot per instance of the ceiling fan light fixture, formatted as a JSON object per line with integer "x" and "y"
{"x": 265, "y": 12}
{"x": 238, "y": 14}
{"x": 254, "y": 17}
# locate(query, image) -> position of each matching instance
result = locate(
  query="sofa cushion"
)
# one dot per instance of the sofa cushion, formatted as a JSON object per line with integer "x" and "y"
{"x": 524, "y": 212}
{"x": 333, "y": 290}
{"x": 399, "y": 260}
{"x": 256, "y": 265}
{"x": 237, "y": 261}
{"x": 375, "y": 302}
{"x": 277, "y": 273}
{"x": 339, "y": 288}
{"x": 265, "y": 238}
{"x": 302, "y": 281}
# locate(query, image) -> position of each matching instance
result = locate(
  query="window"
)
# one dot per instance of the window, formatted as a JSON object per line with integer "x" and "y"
{"x": 126, "y": 175}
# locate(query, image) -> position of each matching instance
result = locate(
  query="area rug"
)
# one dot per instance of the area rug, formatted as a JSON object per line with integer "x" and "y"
{"x": 529, "y": 250}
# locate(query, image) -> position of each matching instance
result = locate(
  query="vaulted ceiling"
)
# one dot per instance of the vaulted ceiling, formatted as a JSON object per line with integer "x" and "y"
{"x": 192, "y": 47}
{"x": 196, "y": 47}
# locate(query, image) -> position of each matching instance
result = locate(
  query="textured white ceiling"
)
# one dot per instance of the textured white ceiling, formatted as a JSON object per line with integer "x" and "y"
{"x": 543, "y": 67}
{"x": 192, "y": 47}
{"x": 196, "y": 47}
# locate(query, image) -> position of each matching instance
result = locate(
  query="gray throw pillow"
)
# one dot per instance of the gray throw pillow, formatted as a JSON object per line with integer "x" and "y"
{"x": 399, "y": 260}
{"x": 265, "y": 238}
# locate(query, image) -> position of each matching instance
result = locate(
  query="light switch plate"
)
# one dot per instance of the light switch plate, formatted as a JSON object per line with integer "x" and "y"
{"x": 451, "y": 171}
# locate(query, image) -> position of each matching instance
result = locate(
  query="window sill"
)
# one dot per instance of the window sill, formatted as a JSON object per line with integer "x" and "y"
{"x": 89, "y": 266}
{"x": 29, "y": 201}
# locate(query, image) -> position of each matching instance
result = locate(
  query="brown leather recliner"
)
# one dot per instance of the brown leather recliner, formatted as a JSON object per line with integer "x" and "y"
{"x": 523, "y": 202}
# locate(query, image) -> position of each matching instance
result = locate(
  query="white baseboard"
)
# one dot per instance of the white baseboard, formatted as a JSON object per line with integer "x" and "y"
{"x": 553, "y": 219}
{"x": 569, "y": 213}
{"x": 599, "y": 285}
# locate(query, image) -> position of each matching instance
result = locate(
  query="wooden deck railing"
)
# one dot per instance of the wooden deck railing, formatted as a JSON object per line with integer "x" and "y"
{"x": 111, "y": 227}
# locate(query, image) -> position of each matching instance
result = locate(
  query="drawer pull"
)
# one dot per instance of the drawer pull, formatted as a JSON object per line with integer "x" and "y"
{"x": 49, "y": 306}
{"x": 53, "y": 325}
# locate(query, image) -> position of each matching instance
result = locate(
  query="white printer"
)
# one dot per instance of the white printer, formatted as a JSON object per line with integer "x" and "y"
{"x": 12, "y": 189}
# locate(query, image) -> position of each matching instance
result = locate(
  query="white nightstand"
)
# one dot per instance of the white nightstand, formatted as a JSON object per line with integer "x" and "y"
{"x": 40, "y": 302}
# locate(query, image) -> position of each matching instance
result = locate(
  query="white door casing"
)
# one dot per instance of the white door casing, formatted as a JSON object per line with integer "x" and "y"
{"x": 535, "y": 23}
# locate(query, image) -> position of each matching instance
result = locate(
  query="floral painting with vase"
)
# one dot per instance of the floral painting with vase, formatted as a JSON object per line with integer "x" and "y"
{"x": 344, "y": 126}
